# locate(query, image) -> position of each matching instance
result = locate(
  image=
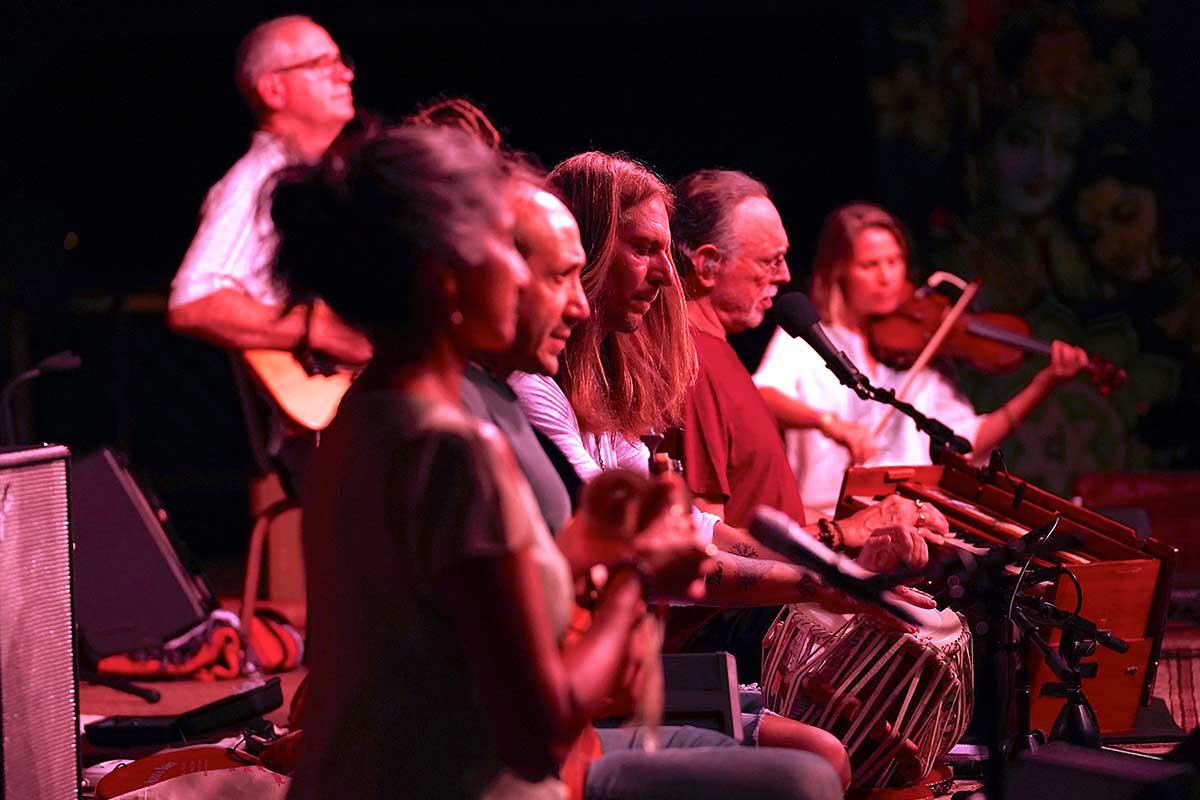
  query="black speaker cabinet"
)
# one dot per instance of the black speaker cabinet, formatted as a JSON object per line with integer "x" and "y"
{"x": 132, "y": 587}
{"x": 1061, "y": 771}
{"x": 702, "y": 690}
{"x": 39, "y": 707}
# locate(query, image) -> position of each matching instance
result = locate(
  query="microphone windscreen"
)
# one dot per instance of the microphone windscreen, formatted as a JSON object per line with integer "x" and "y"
{"x": 795, "y": 313}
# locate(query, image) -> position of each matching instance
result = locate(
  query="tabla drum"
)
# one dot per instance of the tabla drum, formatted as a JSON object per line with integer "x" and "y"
{"x": 897, "y": 701}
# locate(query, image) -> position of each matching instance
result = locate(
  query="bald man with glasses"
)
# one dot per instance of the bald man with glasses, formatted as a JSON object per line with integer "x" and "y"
{"x": 296, "y": 82}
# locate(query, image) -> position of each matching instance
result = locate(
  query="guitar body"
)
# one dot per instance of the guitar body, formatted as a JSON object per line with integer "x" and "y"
{"x": 309, "y": 401}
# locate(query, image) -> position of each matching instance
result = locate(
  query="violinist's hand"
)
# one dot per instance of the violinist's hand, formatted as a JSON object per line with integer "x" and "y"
{"x": 895, "y": 510}
{"x": 855, "y": 438}
{"x": 1066, "y": 361}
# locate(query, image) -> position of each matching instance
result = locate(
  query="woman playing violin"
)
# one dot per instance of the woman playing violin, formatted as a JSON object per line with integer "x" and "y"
{"x": 861, "y": 273}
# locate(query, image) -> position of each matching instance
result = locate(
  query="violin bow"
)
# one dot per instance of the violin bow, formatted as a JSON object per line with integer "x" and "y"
{"x": 931, "y": 347}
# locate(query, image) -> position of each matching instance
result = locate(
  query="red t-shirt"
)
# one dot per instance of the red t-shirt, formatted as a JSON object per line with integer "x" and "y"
{"x": 731, "y": 445}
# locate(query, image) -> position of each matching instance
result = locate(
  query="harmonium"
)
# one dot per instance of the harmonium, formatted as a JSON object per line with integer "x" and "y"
{"x": 1126, "y": 581}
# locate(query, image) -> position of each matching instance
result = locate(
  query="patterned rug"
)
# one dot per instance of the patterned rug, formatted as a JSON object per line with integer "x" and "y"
{"x": 1178, "y": 680}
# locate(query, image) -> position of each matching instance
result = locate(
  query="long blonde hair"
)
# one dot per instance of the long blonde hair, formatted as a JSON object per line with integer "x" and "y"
{"x": 835, "y": 252}
{"x": 626, "y": 383}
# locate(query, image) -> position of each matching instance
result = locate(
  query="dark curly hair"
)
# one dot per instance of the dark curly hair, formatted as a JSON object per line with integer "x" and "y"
{"x": 368, "y": 230}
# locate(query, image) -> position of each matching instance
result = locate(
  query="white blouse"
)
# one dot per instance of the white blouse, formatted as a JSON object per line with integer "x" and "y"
{"x": 820, "y": 463}
{"x": 548, "y": 409}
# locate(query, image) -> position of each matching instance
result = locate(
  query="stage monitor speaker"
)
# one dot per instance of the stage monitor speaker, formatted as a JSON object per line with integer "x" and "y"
{"x": 1061, "y": 771}
{"x": 39, "y": 708}
{"x": 135, "y": 584}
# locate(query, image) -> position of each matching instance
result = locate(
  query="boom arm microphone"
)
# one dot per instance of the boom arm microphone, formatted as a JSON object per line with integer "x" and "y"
{"x": 799, "y": 319}
{"x": 59, "y": 362}
{"x": 781, "y": 533}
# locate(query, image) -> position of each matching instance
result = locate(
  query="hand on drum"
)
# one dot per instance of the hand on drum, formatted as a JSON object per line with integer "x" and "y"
{"x": 894, "y": 511}
{"x": 837, "y": 602}
{"x": 892, "y": 548}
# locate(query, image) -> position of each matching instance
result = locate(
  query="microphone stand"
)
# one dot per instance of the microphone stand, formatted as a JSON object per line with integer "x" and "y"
{"x": 941, "y": 437}
{"x": 1076, "y": 722}
{"x": 982, "y": 581}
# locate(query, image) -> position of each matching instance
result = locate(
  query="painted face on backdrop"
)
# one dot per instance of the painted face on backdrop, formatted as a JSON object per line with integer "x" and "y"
{"x": 554, "y": 301}
{"x": 874, "y": 282}
{"x": 1119, "y": 223}
{"x": 488, "y": 292}
{"x": 315, "y": 78}
{"x": 1033, "y": 156}
{"x": 750, "y": 275}
{"x": 641, "y": 265}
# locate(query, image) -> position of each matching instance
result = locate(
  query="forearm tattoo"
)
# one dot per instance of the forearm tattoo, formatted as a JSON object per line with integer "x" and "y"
{"x": 714, "y": 578}
{"x": 807, "y": 589}
{"x": 750, "y": 574}
{"x": 744, "y": 550}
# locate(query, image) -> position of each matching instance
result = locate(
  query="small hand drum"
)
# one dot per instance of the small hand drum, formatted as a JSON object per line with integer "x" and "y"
{"x": 897, "y": 701}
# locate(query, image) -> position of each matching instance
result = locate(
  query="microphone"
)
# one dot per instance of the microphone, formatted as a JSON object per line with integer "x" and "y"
{"x": 781, "y": 533}
{"x": 799, "y": 319}
{"x": 59, "y": 362}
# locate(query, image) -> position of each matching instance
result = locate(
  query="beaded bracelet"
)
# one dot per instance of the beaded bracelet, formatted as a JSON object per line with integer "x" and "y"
{"x": 831, "y": 534}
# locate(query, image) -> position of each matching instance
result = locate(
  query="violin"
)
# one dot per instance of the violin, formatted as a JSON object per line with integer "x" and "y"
{"x": 992, "y": 342}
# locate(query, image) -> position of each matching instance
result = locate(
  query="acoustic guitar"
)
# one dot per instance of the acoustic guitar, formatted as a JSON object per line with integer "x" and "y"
{"x": 306, "y": 395}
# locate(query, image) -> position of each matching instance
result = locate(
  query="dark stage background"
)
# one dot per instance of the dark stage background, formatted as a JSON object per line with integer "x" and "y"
{"x": 122, "y": 115}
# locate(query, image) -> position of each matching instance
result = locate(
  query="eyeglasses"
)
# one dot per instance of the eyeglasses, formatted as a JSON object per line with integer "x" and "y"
{"x": 774, "y": 263}
{"x": 327, "y": 61}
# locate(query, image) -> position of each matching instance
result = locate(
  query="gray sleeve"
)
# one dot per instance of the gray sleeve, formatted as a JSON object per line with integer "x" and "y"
{"x": 456, "y": 509}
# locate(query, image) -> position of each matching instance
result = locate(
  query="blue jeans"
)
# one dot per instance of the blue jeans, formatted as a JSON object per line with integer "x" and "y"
{"x": 697, "y": 764}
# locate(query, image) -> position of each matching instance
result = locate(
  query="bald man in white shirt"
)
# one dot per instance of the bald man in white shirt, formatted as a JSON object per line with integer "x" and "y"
{"x": 297, "y": 83}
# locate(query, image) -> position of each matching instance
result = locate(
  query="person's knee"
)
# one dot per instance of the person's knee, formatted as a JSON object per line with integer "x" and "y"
{"x": 686, "y": 736}
{"x": 795, "y": 775}
{"x": 777, "y": 731}
{"x": 718, "y": 773}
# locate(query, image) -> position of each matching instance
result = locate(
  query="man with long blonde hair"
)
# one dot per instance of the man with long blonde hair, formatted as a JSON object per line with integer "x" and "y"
{"x": 625, "y": 369}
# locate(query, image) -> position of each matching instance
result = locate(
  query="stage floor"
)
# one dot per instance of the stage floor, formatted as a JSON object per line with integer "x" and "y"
{"x": 1178, "y": 685}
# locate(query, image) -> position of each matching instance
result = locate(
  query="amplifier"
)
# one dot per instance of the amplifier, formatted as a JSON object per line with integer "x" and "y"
{"x": 133, "y": 588}
{"x": 39, "y": 707}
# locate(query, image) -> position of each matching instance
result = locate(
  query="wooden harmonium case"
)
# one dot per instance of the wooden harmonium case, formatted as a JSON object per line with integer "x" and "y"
{"x": 1126, "y": 581}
